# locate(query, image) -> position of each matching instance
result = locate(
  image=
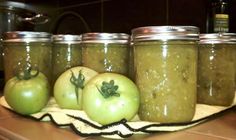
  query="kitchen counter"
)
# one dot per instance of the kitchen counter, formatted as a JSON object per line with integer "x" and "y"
{"x": 16, "y": 127}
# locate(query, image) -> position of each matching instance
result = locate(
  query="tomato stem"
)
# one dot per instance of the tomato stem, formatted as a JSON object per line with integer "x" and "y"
{"x": 109, "y": 89}
{"x": 26, "y": 72}
{"x": 78, "y": 82}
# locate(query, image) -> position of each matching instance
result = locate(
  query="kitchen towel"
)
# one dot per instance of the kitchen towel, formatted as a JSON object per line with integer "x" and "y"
{"x": 80, "y": 123}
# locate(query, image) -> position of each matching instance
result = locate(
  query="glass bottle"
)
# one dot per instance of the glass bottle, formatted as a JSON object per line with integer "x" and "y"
{"x": 218, "y": 16}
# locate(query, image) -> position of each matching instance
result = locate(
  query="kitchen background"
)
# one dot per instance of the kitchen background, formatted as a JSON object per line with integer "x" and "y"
{"x": 79, "y": 16}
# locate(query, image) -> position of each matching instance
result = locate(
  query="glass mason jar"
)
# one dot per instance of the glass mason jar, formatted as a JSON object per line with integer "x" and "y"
{"x": 165, "y": 65}
{"x": 66, "y": 53}
{"x": 131, "y": 62}
{"x": 25, "y": 48}
{"x": 2, "y": 83}
{"x": 216, "y": 69}
{"x": 106, "y": 52}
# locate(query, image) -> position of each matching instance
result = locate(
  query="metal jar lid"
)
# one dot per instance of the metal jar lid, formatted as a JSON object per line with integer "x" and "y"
{"x": 165, "y": 33}
{"x": 218, "y": 38}
{"x": 66, "y": 38}
{"x": 105, "y": 38}
{"x": 26, "y": 36}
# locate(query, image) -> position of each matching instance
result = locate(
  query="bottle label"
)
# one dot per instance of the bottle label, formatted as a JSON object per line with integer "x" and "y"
{"x": 221, "y": 23}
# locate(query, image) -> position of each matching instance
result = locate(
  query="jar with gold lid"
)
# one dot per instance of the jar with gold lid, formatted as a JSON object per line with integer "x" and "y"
{"x": 165, "y": 66}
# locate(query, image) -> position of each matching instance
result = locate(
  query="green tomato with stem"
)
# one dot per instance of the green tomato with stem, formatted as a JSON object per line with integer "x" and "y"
{"x": 110, "y": 97}
{"x": 69, "y": 86}
{"x": 27, "y": 92}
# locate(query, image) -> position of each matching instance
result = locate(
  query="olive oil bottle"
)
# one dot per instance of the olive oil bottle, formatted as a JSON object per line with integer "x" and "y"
{"x": 217, "y": 16}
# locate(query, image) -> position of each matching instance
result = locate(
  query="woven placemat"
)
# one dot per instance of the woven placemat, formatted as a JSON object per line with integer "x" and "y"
{"x": 80, "y": 123}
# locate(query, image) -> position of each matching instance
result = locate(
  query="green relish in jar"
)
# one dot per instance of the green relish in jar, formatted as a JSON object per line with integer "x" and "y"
{"x": 67, "y": 53}
{"x": 165, "y": 65}
{"x": 25, "y": 48}
{"x": 216, "y": 69}
{"x": 106, "y": 52}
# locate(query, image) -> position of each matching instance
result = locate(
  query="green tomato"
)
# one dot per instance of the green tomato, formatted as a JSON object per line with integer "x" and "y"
{"x": 69, "y": 85}
{"x": 27, "y": 96}
{"x": 110, "y": 97}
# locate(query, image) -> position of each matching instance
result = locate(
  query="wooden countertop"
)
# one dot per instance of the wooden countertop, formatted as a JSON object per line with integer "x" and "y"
{"x": 15, "y": 127}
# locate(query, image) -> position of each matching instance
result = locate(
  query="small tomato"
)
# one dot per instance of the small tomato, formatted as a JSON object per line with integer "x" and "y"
{"x": 69, "y": 85}
{"x": 27, "y": 93}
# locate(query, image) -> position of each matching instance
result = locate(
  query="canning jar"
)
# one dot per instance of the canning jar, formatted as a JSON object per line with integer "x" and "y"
{"x": 23, "y": 48}
{"x": 131, "y": 62}
{"x": 216, "y": 69}
{"x": 67, "y": 53}
{"x": 165, "y": 65}
{"x": 106, "y": 52}
{"x": 2, "y": 83}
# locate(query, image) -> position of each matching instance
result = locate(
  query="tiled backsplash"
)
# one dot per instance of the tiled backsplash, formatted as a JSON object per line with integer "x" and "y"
{"x": 75, "y": 17}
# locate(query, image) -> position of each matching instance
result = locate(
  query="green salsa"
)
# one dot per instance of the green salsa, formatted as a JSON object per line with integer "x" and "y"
{"x": 66, "y": 53}
{"x": 108, "y": 55}
{"x": 24, "y": 48}
{"x": 216, "y": 74}
{"x": 17, "y": 54}
{"x": 166, "y": 77}
{"x": 110, "y": 58}
{"x": 165, "y": 66}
